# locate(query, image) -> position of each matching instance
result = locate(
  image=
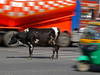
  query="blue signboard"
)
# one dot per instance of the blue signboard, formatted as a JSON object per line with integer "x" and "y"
{"x": 76, "y": 18}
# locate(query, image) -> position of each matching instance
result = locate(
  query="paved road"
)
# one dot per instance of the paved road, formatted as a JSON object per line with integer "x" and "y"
{"x": 14, "y": 61}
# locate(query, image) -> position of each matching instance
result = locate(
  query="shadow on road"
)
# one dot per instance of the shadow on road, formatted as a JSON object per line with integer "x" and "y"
{"x": 37, "y": 57}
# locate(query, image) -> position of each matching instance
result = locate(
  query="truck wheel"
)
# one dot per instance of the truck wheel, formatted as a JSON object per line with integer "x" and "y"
{"x": 82, "y": 66}
{"x": 7, "y": 38}
{"x": 0, "y": 39}
{"x": 63, "y": 40}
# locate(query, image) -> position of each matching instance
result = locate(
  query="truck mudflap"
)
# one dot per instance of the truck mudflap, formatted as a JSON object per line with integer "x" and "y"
{"x": 82, "y": 58}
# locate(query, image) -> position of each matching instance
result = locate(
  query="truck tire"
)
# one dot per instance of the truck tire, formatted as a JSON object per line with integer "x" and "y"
{"x": 63, "y": 40}
{"x": 1, "y": 39}
{"x": 7, "y": 38}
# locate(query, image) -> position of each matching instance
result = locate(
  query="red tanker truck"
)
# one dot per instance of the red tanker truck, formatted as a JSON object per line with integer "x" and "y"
{"x": 16, "y": 15}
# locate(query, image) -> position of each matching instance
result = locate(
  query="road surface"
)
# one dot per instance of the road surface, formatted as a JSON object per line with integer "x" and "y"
{"x": 14, "y": 61}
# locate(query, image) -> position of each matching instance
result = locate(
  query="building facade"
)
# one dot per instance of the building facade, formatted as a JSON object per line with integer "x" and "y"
{"x": 90, "y": 10}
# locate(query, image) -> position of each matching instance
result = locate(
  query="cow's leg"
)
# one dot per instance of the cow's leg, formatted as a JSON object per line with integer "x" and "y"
{"x": 53, "y": 54}
{"x": 30, "y": 50}
{"x": 32, "y": 46}
{"x": 56, "y": 50}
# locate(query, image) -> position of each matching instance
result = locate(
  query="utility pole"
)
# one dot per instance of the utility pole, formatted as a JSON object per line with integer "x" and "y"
{"x": 98, "y": 10}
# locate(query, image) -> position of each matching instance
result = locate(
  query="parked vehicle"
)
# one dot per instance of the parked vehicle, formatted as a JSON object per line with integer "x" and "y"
{"x": 15, "y": 16}
{"x": 90, "y": 47}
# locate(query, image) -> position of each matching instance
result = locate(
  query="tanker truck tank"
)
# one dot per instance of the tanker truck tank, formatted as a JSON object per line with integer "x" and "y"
{"x": 16, "y": 15}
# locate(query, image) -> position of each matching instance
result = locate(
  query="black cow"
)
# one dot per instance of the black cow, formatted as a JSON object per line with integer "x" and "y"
{"x": 35, "y": 37}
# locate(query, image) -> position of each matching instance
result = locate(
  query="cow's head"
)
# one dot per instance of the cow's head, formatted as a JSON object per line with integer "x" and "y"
{"x": 13, "y": 39}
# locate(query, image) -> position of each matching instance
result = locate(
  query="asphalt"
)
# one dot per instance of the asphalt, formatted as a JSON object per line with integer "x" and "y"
{"x": 15, "y": 61}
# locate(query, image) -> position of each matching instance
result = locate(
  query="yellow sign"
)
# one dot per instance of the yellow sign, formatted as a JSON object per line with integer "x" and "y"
{"x": 89, "y": 41}
{"x": 94, "y": 23}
